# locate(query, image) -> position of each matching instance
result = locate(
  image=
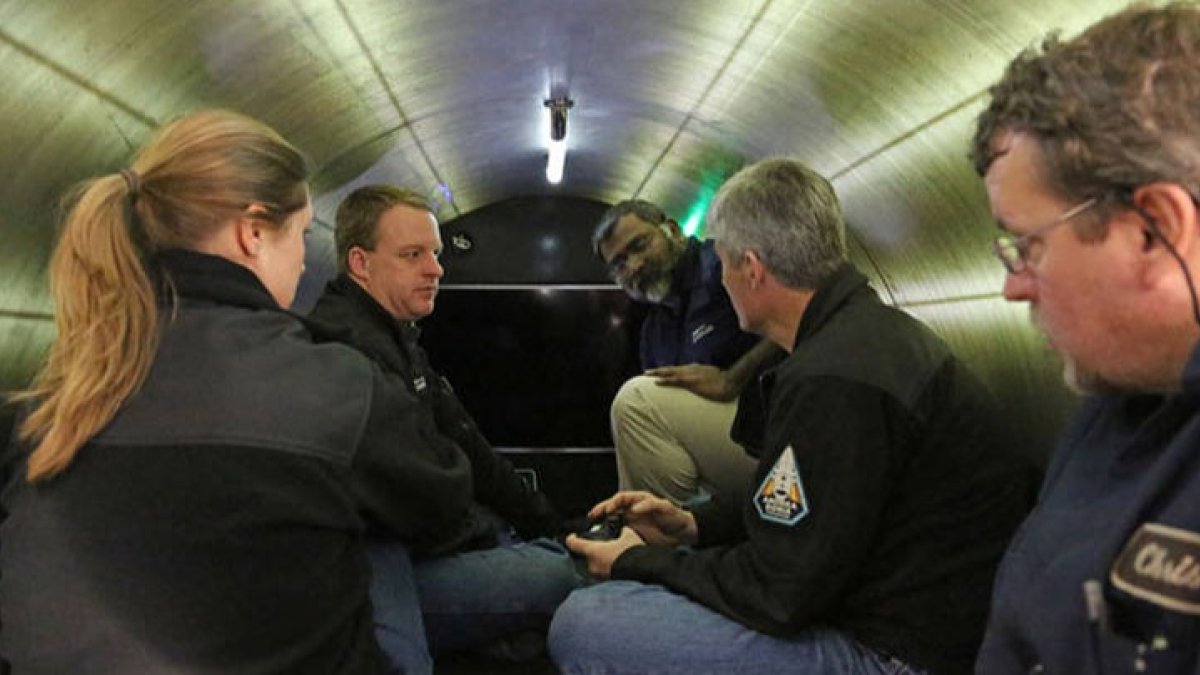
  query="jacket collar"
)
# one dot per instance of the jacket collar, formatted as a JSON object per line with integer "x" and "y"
{"x": 831, "y": 295}
{"x": 210, "y": 277}
{"x": 343, "y": 285}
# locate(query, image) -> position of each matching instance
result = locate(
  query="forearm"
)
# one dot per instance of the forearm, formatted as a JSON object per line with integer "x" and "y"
{"x": 732, "y": 580}
{"x": 743, "y": 370}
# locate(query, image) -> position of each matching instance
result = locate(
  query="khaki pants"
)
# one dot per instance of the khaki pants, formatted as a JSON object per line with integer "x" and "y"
{"x": 674, "y": 443}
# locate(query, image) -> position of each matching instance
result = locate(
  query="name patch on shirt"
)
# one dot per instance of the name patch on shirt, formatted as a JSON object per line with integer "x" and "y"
{"x": 1161, "y": 565}
{"x": 701, "y": 331}
{"x": 781, "y": 498}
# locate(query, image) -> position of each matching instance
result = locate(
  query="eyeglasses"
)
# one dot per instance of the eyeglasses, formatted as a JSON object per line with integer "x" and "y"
{"x": 1013, "y": 251}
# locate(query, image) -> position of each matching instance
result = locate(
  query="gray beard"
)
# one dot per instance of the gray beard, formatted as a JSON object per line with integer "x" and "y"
{"x": 657, "y": 290}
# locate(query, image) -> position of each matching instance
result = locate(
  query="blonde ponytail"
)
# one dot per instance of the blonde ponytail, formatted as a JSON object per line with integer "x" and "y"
{"x": 195, "y": 175}
{"x": 107, "y": 328}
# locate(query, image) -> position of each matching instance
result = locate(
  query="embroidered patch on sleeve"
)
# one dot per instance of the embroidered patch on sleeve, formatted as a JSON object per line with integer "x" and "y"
{"x": 1161, "y": 565}
{"x": 780, "y": 498}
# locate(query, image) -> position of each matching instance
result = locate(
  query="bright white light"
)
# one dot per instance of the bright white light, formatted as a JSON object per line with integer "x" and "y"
{"x": 555, "y": 161}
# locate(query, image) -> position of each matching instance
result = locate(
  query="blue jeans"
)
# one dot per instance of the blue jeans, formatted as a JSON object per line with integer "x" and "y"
{"x": 472, "y": 600}
{"x": 631, "y": 627}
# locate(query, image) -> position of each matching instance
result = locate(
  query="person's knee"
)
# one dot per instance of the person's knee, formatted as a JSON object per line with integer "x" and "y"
{"x": 572, "y": 633}
{"x": 555, "y": 573}
{"x": 399, "y": 628}
{"x": 642, "y": 415}
{"x": 610, "y": 627}
{"x": 649, "y": 453}
{"x": 632, "y": 399}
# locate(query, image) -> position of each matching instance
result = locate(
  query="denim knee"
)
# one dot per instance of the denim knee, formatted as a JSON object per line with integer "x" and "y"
{"x": 571, "y": 636}
{"x": 551, "y": 565}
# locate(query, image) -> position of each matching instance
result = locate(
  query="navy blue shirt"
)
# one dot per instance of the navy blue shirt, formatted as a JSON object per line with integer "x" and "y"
{"x": 1120, "y": 508}
{"x": 696, "y": 322}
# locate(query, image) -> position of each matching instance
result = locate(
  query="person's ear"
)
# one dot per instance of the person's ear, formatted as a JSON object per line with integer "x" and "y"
{"x": 1173, "y": 211}
{"x": 671, "y": 229}
{"x": 250, "y": 228}
{"x": 358, "y": 263}
{"x": 1173, "y": 225}
{"x": 754, "y": 268}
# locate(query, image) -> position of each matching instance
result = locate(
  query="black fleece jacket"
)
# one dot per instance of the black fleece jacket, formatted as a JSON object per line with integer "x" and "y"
{"x": 216, "y": 524}
{"x": 349, "y": 314}
{"x": 904, "y": 493}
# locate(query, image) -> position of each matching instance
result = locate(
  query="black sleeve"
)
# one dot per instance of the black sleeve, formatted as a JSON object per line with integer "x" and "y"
{"x": 784, "y": 578}
{"x": 719, "y": 521}
{"x": 497, "y": 485}
{"x": 749, "y": 427}
{"x": 409, "y": 482}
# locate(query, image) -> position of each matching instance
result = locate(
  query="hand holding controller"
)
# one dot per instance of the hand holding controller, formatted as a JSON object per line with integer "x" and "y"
{"x": 605, "y": 529}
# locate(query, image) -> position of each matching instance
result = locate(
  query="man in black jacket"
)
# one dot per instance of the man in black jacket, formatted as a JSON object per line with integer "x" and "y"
{"x": 885, "y": 493}
{"x": 474, "y": 583}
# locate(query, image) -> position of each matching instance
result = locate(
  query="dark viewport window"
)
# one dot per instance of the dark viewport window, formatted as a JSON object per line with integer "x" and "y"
{"x": 537, "y": 367}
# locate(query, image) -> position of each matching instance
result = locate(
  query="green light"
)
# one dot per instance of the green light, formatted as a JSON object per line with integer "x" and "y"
{"x": 693, "y": 224}
{"x": 721, "y": 164}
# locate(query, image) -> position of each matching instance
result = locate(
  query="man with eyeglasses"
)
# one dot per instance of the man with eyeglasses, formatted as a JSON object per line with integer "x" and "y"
{"x": 1090, "y": 153}
{"x": 671, "y": 426}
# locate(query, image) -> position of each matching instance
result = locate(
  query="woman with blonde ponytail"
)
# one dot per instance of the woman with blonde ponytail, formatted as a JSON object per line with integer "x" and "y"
{"x": 182, "y": 497}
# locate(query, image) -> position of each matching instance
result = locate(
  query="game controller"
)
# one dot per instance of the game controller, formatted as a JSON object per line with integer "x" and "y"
{"x": 603, "y": 529}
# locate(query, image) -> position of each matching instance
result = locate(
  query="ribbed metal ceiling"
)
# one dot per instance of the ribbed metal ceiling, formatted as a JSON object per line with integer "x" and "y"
{"x": 671, "y": 96}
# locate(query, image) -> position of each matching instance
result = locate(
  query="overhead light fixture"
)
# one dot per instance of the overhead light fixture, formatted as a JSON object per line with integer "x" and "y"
{"x": 557, "y": 156}
{"x": 556, "y": 159}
